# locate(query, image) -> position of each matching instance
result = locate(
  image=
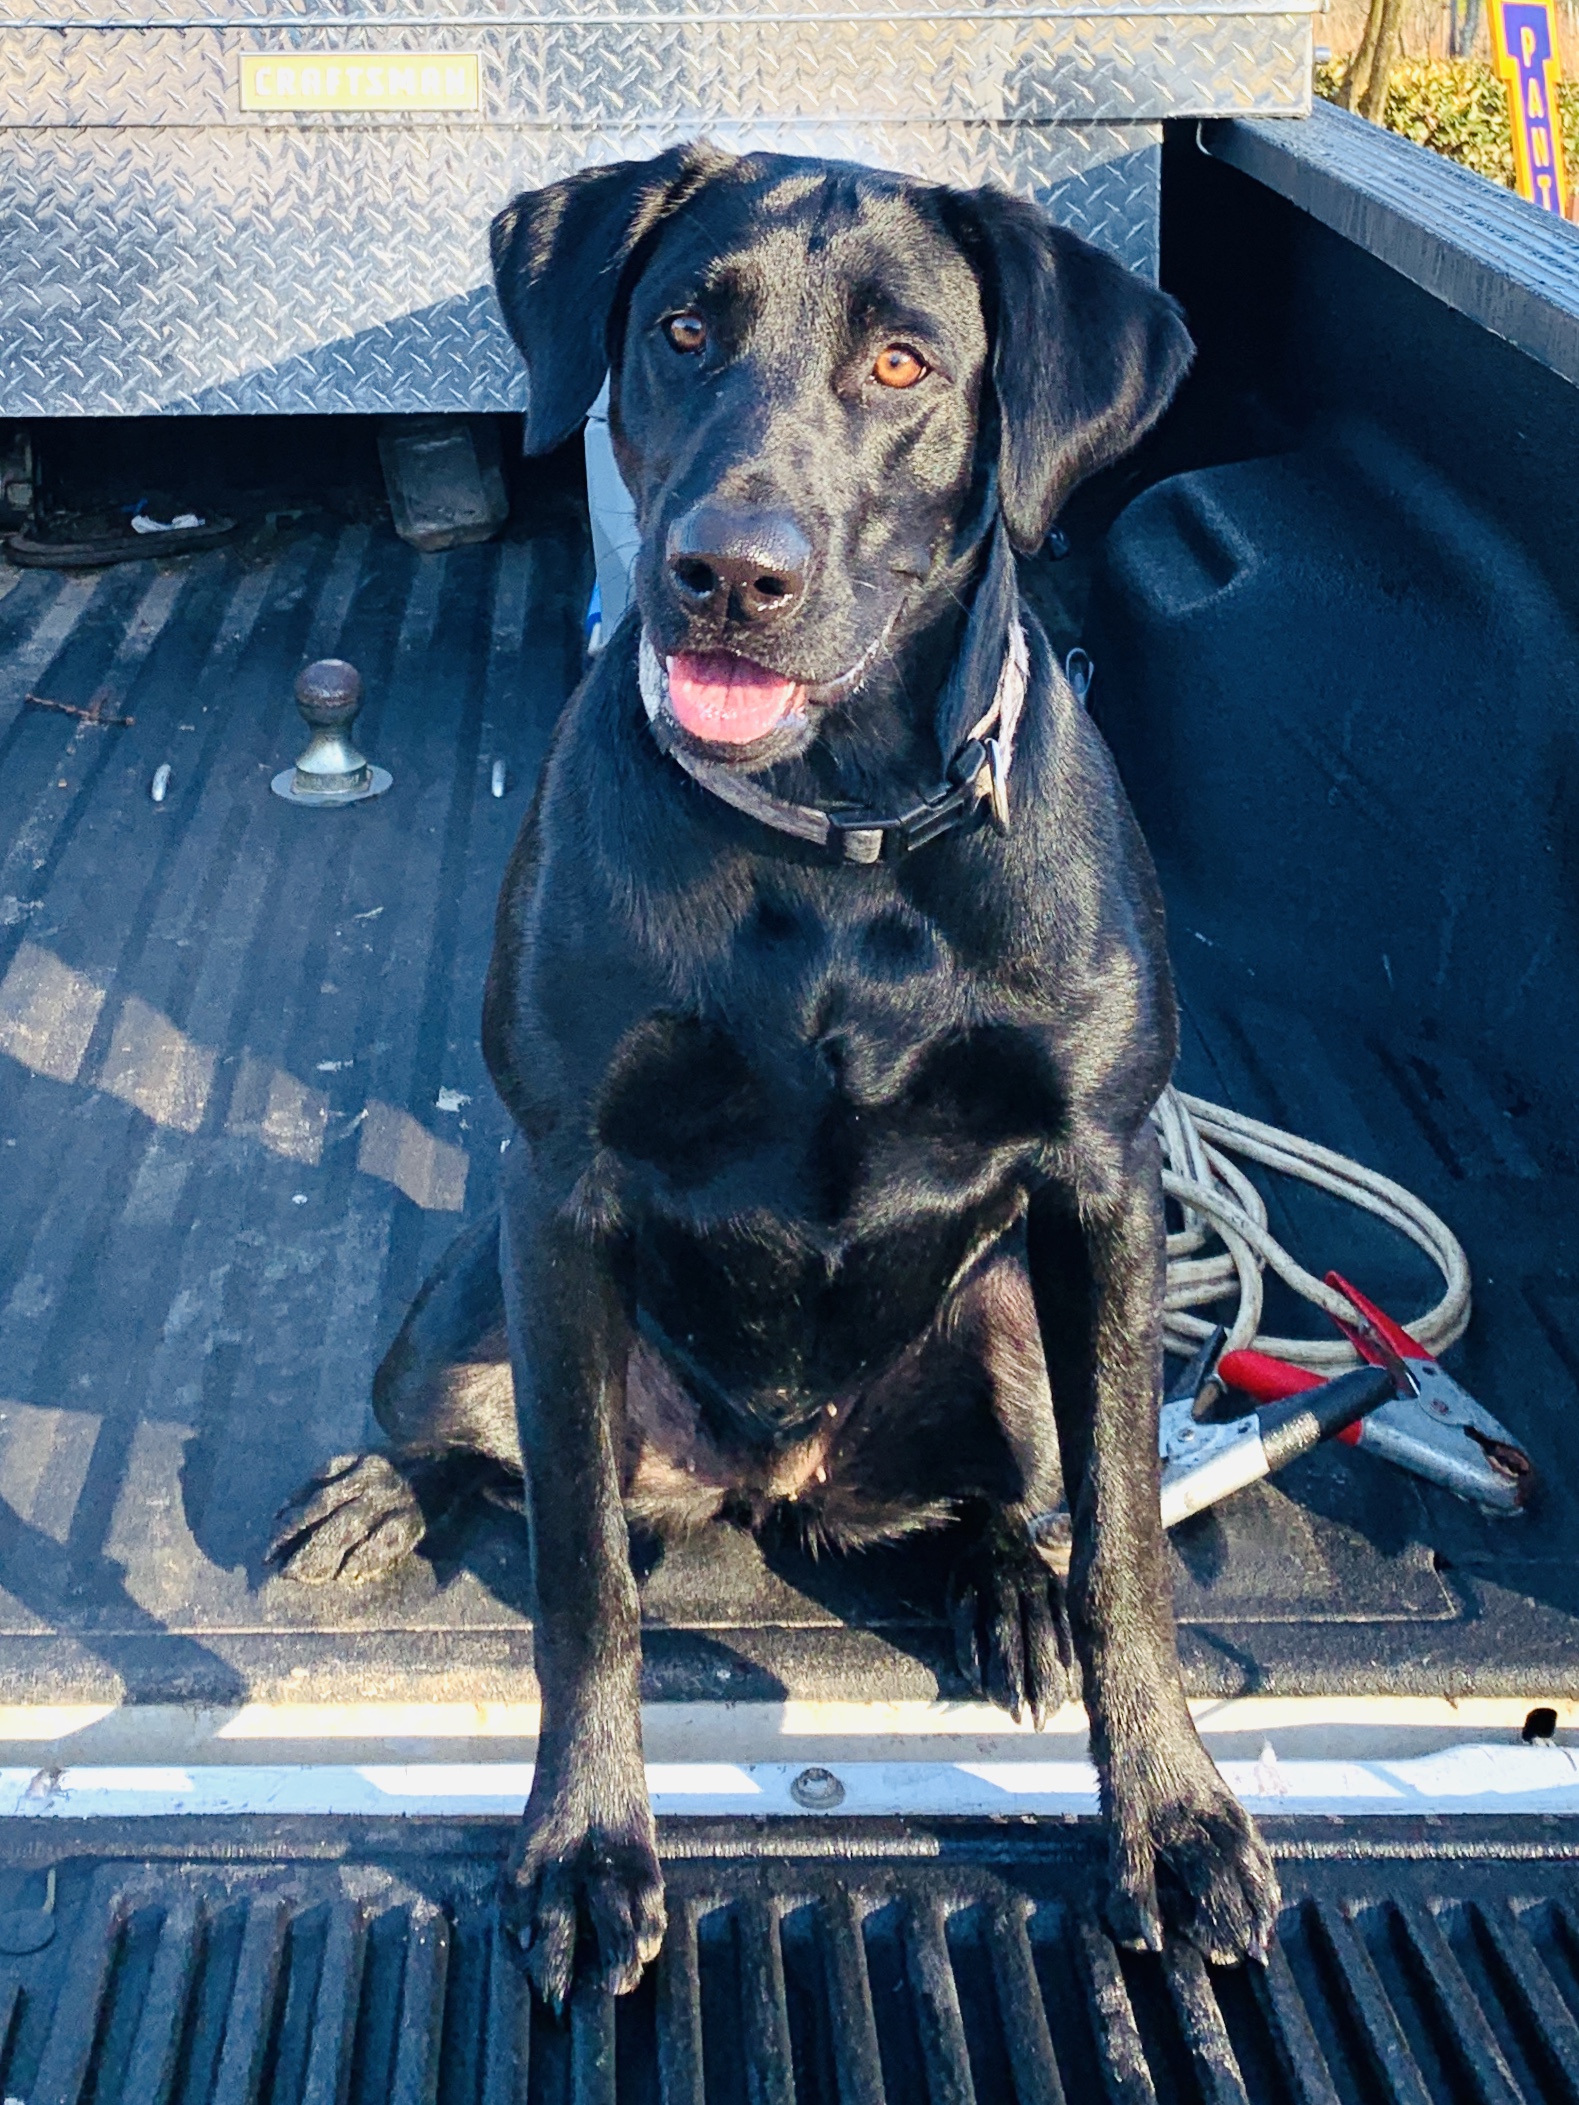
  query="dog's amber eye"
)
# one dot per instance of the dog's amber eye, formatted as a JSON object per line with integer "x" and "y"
{"x": 898, "y": 366}
{"x": 687, "y": 332}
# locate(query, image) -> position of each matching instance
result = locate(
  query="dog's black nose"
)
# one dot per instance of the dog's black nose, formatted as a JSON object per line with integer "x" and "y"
{"x": 748, "y": 565}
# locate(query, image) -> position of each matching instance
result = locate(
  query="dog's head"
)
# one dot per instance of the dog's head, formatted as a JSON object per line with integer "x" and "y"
{"x": 824, "y": 382}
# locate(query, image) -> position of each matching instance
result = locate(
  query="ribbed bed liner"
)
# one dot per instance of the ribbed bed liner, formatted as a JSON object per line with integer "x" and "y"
{"x": 243, "y": 1106}
{"x": 897, "y": 1965}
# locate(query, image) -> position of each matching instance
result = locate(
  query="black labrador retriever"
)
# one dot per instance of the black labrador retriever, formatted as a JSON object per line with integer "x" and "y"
{"x": 829, "y": 998}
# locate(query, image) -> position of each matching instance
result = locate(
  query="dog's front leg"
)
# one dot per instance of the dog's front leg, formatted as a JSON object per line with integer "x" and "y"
{"x": 1182, "y": 1847}
{"x": 585, "y": 1862}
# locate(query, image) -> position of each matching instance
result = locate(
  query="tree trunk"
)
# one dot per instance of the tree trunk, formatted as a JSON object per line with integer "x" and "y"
{"x": 1365, "y": 83}
{"x": 1359, "y": 67}
{"x": 1372, "y": 101}
{"x": 1465, "y": 28}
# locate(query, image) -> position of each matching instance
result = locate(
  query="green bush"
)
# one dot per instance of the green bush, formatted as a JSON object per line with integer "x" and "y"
{"x": 1459, "y": 108}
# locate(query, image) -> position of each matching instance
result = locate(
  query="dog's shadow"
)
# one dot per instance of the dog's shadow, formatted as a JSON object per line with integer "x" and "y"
{"x": 697, "y": 1592}
{"x": 833, "y": 1615}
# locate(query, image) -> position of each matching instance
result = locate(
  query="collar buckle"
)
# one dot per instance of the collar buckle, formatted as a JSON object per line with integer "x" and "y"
{"x": 864, "y": 837}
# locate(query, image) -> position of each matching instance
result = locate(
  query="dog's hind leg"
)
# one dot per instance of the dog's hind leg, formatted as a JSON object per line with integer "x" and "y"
{"x": 1007, "y": 1604}
{"x": 444, "y": 1397}
{"x": 444, "y": 1385}
{"x": 962, "y": 1430}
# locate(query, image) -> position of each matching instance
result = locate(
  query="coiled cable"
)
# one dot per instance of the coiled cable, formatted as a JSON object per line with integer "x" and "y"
{"x": 1222, "y": 1207}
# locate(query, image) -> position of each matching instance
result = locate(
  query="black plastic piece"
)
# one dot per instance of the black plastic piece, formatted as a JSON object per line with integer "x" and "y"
{"x": 1199, "y": 1369}
{"x": 1299, "y": 1423}
{"x": 825, "y": 1962}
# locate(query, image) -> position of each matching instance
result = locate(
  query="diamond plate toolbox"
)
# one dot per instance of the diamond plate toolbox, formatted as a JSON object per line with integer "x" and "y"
{"x": 282, "y": 205}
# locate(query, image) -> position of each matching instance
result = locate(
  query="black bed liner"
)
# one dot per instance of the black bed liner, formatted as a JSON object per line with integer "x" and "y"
{"x": 339, "y": 1963}
{"x": 225, "y": 1025}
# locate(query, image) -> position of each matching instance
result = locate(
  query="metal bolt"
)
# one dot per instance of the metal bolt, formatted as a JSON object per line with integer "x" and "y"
{"x": 330, "y": 771}
{"x": 819, "y": 1790}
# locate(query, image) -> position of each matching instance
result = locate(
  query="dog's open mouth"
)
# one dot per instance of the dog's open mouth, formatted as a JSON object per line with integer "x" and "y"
{"x": 728, "y": 701}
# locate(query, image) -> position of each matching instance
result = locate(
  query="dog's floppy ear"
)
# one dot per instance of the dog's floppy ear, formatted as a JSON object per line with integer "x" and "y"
{"x": 1085, "y": 355}
{"x": 561, "y": 260}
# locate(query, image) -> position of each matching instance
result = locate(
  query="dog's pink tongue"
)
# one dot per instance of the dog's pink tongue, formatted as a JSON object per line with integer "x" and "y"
{"x": 726, "y": 699}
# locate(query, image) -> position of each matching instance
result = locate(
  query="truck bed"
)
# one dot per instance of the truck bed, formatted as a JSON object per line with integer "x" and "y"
{"x": 243, "y": 1108}
{"x": 1333, "y": 609}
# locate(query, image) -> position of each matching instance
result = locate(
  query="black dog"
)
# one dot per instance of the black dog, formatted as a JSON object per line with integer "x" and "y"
{"x": 829, "y": 997}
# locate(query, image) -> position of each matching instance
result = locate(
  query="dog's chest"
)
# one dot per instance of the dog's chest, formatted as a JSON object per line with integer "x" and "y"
{"x": 821, "y": 1104}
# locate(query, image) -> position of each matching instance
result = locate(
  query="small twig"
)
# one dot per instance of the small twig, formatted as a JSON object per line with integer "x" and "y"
{"x": 93, "y": 714}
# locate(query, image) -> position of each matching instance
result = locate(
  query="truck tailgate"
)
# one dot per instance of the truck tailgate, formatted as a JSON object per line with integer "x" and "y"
{"x": 287, "y": 1962}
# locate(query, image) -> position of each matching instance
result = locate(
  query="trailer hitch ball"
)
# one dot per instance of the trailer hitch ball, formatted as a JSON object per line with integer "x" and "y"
{"x": 330, "y": 769}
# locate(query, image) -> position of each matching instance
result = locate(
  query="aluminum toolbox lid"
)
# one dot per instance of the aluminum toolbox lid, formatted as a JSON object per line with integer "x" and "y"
{"x": 617, "y": 64}
{"x": 212, "y": 206}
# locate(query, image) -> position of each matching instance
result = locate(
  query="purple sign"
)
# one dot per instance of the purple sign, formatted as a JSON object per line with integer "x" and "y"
{"x": 1524, "y": 42}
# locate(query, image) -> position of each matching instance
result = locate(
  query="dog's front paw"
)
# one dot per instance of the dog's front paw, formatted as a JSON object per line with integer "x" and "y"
{"x": 1011, "y": 1628}
{"x": 1190, "y": 1860}
{"x": 355, "y": 1520}
{"x": 595, "y": 1883}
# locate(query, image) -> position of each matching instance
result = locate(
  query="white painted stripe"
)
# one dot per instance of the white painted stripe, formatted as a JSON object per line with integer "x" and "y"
{"x": 1467, "y": 1779}
{"x": 1316, "y": 1727}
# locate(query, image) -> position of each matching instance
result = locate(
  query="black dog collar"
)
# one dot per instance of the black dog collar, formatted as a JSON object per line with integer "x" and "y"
{"x": 977, "y": 779}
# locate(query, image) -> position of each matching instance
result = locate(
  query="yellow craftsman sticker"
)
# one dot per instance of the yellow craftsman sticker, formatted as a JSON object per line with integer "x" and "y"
{"x": 361, "y": 80}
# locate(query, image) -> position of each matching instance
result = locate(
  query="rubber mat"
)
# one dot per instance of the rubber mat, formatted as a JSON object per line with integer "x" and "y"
{"x": 874, "y": 1965}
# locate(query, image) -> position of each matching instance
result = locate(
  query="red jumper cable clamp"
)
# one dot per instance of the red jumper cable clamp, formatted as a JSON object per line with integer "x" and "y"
{"x": 1431, "y": 1426}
